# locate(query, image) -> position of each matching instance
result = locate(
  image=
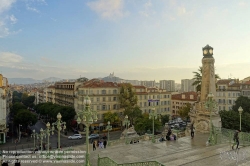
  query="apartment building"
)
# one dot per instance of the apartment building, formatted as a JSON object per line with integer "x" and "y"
{"x": 186, "y": 85}
{"x": 41, "y": 97}
{"x": 169, "y": 85}
{"x": 148, "y": 83}
{"x": 180, "y": 100}
{"x": 51, "y": 94}
{"x": 228, "y": 90}
{"x": 65, "y": 92}
{"x": 105, "y": 97}
{"x": 245, "y": 89}
{"x": 149, "y": 98}
{"x": 5, "y": 100}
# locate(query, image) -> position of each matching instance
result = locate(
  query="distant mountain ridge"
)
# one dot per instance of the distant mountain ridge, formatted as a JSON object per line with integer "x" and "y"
{"x": 31, "y": 80}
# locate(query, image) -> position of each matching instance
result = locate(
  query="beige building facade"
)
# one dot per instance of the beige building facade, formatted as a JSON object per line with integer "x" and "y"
{"x": 5, "y": 100}
{"x": 181, "y": 99}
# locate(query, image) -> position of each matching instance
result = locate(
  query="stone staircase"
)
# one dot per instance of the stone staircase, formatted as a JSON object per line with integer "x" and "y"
{"x": 185, "y": 151}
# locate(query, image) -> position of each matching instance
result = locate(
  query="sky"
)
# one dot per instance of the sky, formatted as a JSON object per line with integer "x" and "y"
{"x": 135, "y": 39}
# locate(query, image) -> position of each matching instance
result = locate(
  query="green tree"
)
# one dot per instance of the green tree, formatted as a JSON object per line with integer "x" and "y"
{"x": 144, "y": 123}
{"x": 16, "y": 107}
{"x": 133, "y": 113}
{"x": 29, "y": 101}
{"x": 24, "y": 96}
{"x": 112, "y": 117}
{"x": 183, "y": 112}
{"x": 25, "y": 117}
{"x": 243, "y": 102}
{"x": 128, "y": 101}
{"x": 164, "y": 119}
{"x": 198, "y": 78}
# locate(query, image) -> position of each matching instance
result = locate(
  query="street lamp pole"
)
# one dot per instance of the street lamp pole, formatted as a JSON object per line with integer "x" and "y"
{"x": 41, "y": 136}
{"x": 126, "y": 123}
{"x": 211, "y": 105}
{"x": 47, "y": 131}
{"x": 154, "y": 116}
{"x": 34, "y": 135}
{"x": 240, "y": 112}
{"x": 87, "y": 116}
{"x": 59, "y": 127}
{"x": 19, "y": 133}
{"x": 108, "y": 127}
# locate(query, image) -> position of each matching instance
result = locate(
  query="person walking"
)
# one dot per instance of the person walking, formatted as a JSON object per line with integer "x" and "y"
{"x": 105, "y": 144}
{"x": 94, "y": 145}
{"x": 236, "y": 139}
{"x": 192, "y": 130}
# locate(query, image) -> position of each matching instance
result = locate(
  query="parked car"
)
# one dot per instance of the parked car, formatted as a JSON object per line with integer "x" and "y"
{"x": 75, "y": 136}
{"x": 93, "y": 136}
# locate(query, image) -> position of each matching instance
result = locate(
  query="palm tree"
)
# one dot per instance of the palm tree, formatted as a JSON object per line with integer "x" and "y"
{"x": 198, "y": 78}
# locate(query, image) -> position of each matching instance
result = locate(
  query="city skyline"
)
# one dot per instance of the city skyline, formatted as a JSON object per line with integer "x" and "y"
{"x": 138, "y": 40}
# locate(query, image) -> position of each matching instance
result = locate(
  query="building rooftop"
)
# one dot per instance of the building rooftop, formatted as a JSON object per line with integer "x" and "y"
{"x": 187, "y": 96}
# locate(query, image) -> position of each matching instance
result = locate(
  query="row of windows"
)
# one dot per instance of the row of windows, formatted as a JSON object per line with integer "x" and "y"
{"x": 100, "y": 99}
{"x": 145, "y": 104}
{"x": 229, "y": 94}
{"x": 157, "y": 110}
{"x": 154, "y": 97}
{"x": 101, "y": 107}
{"x": 103, "y": 92}
{"x": 223, "y": 101}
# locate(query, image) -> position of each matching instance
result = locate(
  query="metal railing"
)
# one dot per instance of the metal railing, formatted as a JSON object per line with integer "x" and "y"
{"x": 106, "y": 161}
{"x": 222, "y": 135}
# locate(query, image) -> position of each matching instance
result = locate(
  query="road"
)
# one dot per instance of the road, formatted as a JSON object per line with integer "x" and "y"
{"x": 28, "y": 143}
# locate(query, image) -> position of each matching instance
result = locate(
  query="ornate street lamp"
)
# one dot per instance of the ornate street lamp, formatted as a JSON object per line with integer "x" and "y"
{"x": 154, "y": 116}
{"x": 47, "y": 131}
{"x": 240, "y": 112}
{"x": 87, "y": 116}
{"x": 41, "y": 136}
{"x": 108, "y": 127}
{"x": 19, "y": 133}
{"x": 126, "y": 123}
{"x": 59, "y": 127}
{"x": 35, "y": 136}
{"x": 211, "y": 105}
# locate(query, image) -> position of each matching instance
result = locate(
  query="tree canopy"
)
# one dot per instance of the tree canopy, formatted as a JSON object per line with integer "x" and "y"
{"x": 128, "y": 101}
{"x": 25, "y": 118}
{"x": 183, "y": 112}
{"x": 164, "y": 119}
{"x": 143, "y": 124}
{"x": 111, "y": 117}
{"x": 243, "y": 102}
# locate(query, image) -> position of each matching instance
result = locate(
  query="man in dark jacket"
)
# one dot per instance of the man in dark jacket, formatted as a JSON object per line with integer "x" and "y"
{"x": 105, "y": 143}
{"x": 236, "y": 139}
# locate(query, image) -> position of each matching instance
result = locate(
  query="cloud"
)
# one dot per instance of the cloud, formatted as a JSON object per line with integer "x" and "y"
{"x": 13, "y": 19}
{"x": 5, "y": 5}
{"x": 147, "y": 11}
{"x": 32, "y": 9}
{"x": 108, "y": 9}
{"x": 8, "y": 57}
{"x": 181, "y": 11}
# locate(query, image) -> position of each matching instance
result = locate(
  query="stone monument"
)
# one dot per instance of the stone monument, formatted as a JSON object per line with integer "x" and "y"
{"x": 199, "y": 115}
{"x": 130, "y": 133}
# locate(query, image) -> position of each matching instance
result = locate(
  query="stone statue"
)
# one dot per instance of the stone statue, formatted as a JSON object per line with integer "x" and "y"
{"x": 130, "y": 132}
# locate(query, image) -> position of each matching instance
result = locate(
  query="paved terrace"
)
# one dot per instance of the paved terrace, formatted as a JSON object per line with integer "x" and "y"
{"x": 184, "y": 151}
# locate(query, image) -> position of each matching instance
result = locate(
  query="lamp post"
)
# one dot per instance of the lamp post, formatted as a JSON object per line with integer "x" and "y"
{"x": 41, "y": 136}
{"x": 154, "y": 116}
{"x": 59, "y": 127}
{"x": 87, "y": 116}
{"x": 211, "y": 105}
{"x": 47, "y": 131}
{"x": 240, "y": 112}
{"x": 19, "y": 133}
{"x": 126, "y": 123}
{"x": 34, "y": 135}
{"x": 108, "y": 127}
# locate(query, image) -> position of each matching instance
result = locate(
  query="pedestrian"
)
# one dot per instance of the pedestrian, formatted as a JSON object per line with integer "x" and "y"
{"x": 192, "y": 130}
{"x": 94, "y": 146}
{"x": 105, "y": 144}
{"x": 236, "y": 139}
{"x": 168, "y": 134}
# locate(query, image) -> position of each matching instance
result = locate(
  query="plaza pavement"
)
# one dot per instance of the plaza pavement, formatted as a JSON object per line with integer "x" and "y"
{"x": 185, "y": 151}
